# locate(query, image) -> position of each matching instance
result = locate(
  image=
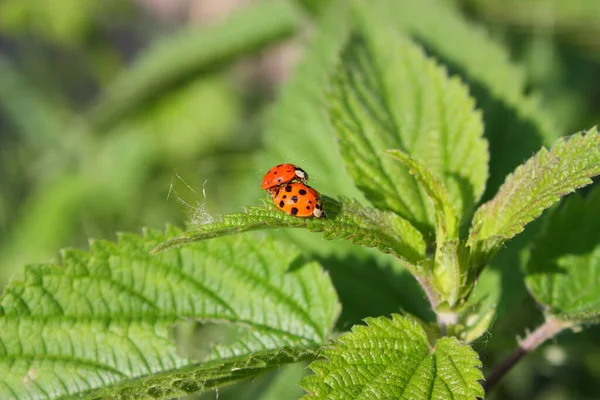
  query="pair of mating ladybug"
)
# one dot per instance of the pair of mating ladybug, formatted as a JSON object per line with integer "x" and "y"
{"x": 286, "y": 183}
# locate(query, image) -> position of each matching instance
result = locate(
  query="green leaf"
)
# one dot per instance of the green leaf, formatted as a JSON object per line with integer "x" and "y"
{"x": 196, "y": 378}
{"x": 516, "y": 125}
{"x": 392, "y": 359}
{"x": 186, "y": 53}
{"x": 346, "y": 219}
{"x": 535, "y": 186}
{"x": 446, "y": 266}
{"x": 387, "y": 94}
{"x": 445, "y": 215}
{"x": 564, "y": 264}
{"x": 98, "y": 324}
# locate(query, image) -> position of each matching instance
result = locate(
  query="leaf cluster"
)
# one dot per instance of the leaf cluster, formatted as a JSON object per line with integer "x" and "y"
{"x": 417, "y": 145}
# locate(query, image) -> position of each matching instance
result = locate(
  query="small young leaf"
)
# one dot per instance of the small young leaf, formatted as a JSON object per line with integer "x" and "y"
{"x": 98, "y": 324}
{"x": 446, "y": 269}
{"x": 446, "y": 219}
{"x": 564, "y": 265}
{"x": 345, "y": 219}
{"x": 392, "y": 359}
{"x": 535, "y": 186}
{"x": 388, "y": 95}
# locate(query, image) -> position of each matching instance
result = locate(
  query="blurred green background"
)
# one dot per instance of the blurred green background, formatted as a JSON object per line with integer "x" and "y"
{"x": 121, "y": 114}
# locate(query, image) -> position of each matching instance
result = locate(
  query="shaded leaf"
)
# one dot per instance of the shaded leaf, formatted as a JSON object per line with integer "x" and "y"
{"x": 446, "y": 266}
{"x": 392, "y": 359}
{"x": 387, "y": 94}
{"x": 563, "y": 271}
{"x": 389, "y": 287}
{"x": 345, "y": 219}
{"x": 97, "y": 325}
{"x": 535, "y": 186}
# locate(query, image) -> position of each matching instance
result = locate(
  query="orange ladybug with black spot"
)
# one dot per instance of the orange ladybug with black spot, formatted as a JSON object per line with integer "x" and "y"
{"x": 298, "y": 199}
{"x": 282, "y": 174}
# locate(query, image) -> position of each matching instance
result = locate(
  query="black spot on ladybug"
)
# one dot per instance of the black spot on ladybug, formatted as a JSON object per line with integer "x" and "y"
{"x": 308, "y": 207}
{"x": 310, "y": 202}
{"x": 302, "y": 192}
{"x": 294, "y": 211}
{"x": 288, "y": 188}
{"x": 295, "y": 199}
{"x": 279, "y": 179}
{"x": 285, "y": 196}
{"x": 274, "y": 172}
{"x": 281, "y": 203}
{"x": 279, "y": 165}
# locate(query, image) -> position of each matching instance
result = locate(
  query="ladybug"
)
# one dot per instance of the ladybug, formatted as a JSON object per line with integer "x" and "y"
{"x": 299, "y": 200}
{"x": 282, "y": 174}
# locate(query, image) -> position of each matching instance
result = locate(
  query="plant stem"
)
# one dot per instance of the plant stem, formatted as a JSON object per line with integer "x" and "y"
{"x": 428, "y": 289}
{"x": 444, "y": 319}
{"x": 546, "y": 331}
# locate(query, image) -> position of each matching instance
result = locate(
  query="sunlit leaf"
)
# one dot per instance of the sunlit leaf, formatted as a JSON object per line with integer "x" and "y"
{"x": 535, "y": 186}
{"x": 515, "y": 123}
{"x": 97, "y": 325}
{"x": 379, "y": 101}
{"x": 392, "y": 359}
{"x": 346, "y": 219}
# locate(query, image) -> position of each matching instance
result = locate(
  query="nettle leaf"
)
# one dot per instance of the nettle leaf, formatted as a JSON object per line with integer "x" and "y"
{"x": 564, "y": 265}
{"x": 516, "y": 123}
{"x": 446, "y": 266}
{"x": 446, "y": 219}
{"x": 392, "y": 359}
{"x": 387, "y": 94}
{"x": 346, "y": 219}
{"x": 535, "y": 186}
{"x": 97, "y": 325}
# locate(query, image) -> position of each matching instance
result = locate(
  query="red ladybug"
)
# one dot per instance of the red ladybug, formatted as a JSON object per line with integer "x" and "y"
{"x": 299, "y": 200}
{"x": 282, "y": 174}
